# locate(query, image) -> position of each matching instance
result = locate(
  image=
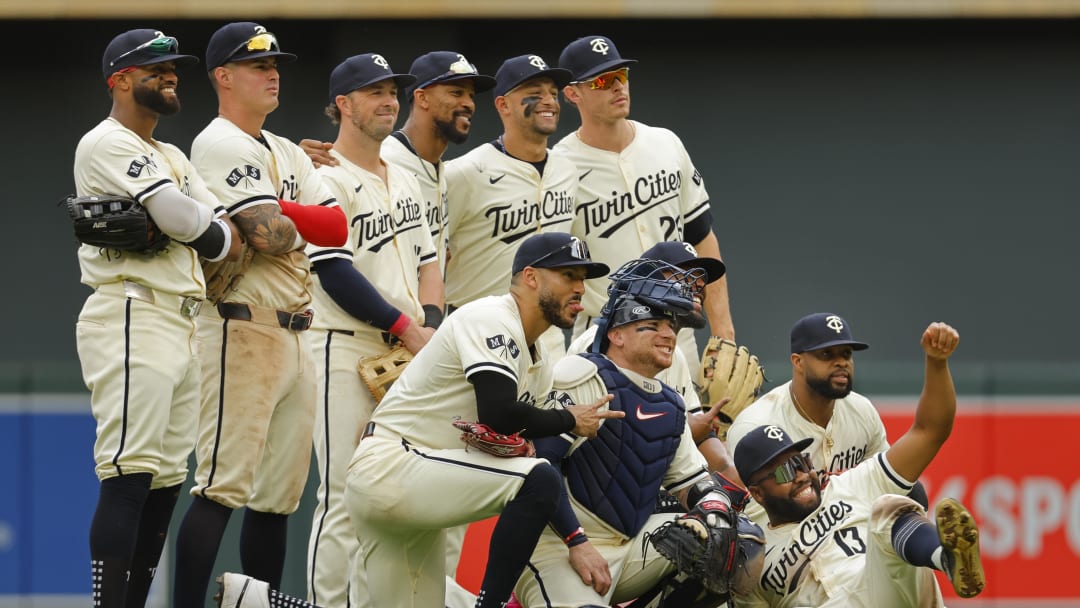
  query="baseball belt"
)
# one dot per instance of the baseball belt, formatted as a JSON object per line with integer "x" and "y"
{"x": 188, "y": 305}
{"x": 293, "y": 321}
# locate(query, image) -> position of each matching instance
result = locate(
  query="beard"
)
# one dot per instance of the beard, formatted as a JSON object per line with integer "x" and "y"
{"x": 447, "y": 129}
{"x": 782, "y": 509}
{"x": 824, "y": 387}
{"x": 152, "y": 99}
{"x": 377, "y": 133}
{"x": 552, "y": 309}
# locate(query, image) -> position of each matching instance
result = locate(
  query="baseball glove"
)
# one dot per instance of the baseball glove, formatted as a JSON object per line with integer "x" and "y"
{"x": 702, "y": 544}
{"x": 379, "y": 371}
{"x": 114, "y": 222}
{"x": 486, "y": 439}
{"x": 728, "y": 370}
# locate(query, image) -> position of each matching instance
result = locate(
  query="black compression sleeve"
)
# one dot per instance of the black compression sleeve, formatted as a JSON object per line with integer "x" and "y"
{"x": 698, "y": 228}
{"x": 211, "y": 243}
{"x": 353, "y": 292}
{"x": 497, "y": 406}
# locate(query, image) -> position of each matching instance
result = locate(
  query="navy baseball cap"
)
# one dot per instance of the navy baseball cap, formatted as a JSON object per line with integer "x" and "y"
{"x": 557, "y": 250}
{"x": 438, "y": 67}
{"x": 683, "y": 255}
{"x": 240, "y": 41}
{"x": 591, "y": 56}
{"x": 821, "y": 330}
{"x": 761, "y": 445}
{"x": 516, "y": 70}
{"x": 359, "y": 71}
{"x": 142, "y": 47}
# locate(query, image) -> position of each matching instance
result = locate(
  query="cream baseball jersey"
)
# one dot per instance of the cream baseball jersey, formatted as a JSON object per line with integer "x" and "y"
{"x": 822, "y": 557}
{"x": 432, "y": 184}
{"x": 112, "y": 159}
{"x": 494, "y": 202}
{"x": 630, "y": 200}
{"x": 854, "y": 433}
{"x": 483, "y": 335}
{"x": 243, "y": 172}
{"x": 388, "y": 239}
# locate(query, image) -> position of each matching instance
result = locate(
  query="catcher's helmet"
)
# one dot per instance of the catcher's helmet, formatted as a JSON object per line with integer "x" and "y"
{"x": 645, "y": 289}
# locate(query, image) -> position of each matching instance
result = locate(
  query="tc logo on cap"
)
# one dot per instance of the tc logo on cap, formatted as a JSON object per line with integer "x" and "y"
{"x": 380, "y": 61}
{"x": 537, "y": 62}
{"x": 690, "y": 249}
{"x": 774, "y": 432}
{"x": 834, "y": 323}
{"x": 599, "y": 45}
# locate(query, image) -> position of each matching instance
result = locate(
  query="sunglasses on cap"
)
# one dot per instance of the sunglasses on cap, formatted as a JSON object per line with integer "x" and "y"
{"x": 461, "y": 67}
{"x": 578, "y": 250}
{"x": 264, "y": 41}
{"x": 159, "y": 45}
{"x": 605, "y": 81}
{"x": 786, "y": 472}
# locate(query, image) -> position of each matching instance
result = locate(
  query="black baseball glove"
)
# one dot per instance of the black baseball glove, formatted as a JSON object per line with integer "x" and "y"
{"x": 114, "y": 222}
{"x": 702, "y": 544}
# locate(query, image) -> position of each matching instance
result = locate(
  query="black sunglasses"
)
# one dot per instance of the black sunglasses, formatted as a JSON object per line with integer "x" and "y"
{"x": 787, "y": 470}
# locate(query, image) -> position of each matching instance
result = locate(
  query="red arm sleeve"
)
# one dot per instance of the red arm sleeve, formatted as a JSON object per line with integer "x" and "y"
{"x": 322, "y": 226}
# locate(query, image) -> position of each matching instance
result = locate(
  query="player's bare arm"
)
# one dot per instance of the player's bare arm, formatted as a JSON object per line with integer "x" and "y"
{"x": 587, "y": 418}
{"x": 591, "y": 567}
{"x": 266, "y": 229}
{"x": 319, "y": 152}
{"x": 717, "y": 305}
{"x": 936, "y": 410}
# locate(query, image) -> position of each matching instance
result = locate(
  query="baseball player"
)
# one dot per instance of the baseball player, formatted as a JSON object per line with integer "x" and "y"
{"x": 258, "y": 402}
{"x": 483, "y": 364}
{"x": 858, "y": 541}
{"x": 135, "y": 333}
{"x": 678, "y": 374}
{"x": 637, "y": 184}
{"x": 504, "y": 190}
{"x": 819, "y": 403}
{"x": 442, "y": 104}
{"x": 596, "y": 551}
{"x": 382, "y": 287}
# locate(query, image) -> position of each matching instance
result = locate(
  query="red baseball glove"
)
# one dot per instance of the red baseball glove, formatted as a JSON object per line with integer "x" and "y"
{"x": 486, "y": 439}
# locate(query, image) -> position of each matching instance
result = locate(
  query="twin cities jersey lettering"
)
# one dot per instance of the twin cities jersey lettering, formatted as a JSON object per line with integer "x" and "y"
{"x": 432, "y": 180}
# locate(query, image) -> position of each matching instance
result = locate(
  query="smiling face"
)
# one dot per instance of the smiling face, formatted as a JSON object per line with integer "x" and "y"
{"x": 373, "y": 109}
{"x": 452, "y": 105}
{"x": 789, "y": 501}
{"x": 829, "y": 372}
{"x": 645, "y": 347}
{"x": 154, "y": 87}
{"x": 531, "y": 108}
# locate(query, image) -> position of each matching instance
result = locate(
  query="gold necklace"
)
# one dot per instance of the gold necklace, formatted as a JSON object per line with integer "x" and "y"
{"x": 798, "y": 406}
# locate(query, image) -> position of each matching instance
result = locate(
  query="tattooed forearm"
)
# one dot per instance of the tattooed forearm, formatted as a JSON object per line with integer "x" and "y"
{"x": 266, "y": 229}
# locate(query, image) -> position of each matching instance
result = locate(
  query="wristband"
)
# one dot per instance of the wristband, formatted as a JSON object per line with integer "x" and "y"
{"x": 433, "y": 316}
{"x": 711, "y": 434}
{"x": 576, "y": 537}
{"x": 400, "y": 325}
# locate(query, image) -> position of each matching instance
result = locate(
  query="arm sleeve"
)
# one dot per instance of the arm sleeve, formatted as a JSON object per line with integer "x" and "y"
{"x": 178, "y": 215}
{"x": 354, "y": 293}
{"x": 497, "y": 406}
{"x": 320, "y": 225}
{"x": 698, "y": 228}
{"x": 213, "y": 244}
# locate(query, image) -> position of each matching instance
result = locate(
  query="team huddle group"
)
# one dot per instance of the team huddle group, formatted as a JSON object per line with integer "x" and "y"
{"x": 548, "y": 294}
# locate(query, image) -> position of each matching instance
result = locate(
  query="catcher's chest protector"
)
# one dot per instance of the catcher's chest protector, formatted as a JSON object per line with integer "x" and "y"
{"x": 617, "y": 475}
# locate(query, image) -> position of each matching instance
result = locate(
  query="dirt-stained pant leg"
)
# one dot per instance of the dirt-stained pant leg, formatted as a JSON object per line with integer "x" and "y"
{"x": 139, "y": 361}
{"x": 257, "y": 413}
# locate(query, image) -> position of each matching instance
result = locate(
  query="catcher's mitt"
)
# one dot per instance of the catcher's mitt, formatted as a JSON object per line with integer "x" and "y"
{"x": 486, "y": 439}
{"x": 702, "y": 544}
{"x": 379, "y": 371}
{"x": 114, "y": 222}
{"x": 728, "y": 370}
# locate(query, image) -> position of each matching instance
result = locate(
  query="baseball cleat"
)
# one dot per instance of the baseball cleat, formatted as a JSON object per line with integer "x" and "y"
{"x": 240, "y": 591}
{"x": 960, "y": 548}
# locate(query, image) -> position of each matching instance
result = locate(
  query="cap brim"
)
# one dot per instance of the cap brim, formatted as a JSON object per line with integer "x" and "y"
{"x": 182, "y": 61}
{"x": 481, "y": 82}
{"x": 559, "y": 76}
{"x": 281, "y": 57}
{"x": 593, "y": 270}
{"x": 609, "y": 66}
{"x": 797, "y": 446}
{"x": 714, "y": 268}
{"x": 854, "y": 345}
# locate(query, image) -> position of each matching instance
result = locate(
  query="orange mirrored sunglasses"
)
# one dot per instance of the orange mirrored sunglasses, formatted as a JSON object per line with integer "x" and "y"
{"x": 604, "y": 81}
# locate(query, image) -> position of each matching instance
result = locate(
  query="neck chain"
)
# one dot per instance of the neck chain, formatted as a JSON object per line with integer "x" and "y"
{"x": 798, "y": 406}
{"x": 423, "y": 163}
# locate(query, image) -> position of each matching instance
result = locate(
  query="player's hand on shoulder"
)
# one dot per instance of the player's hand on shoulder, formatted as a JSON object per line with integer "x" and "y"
{"x": 587, "y": 418}
{"x": 416, "y": 336}
{"x": 318, "y": 152}
{"x": 591, "y": 567}
{"x": 940, "y": 340}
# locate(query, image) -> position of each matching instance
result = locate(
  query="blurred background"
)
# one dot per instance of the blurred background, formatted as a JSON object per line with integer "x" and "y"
{"x": 895, "y": 162}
